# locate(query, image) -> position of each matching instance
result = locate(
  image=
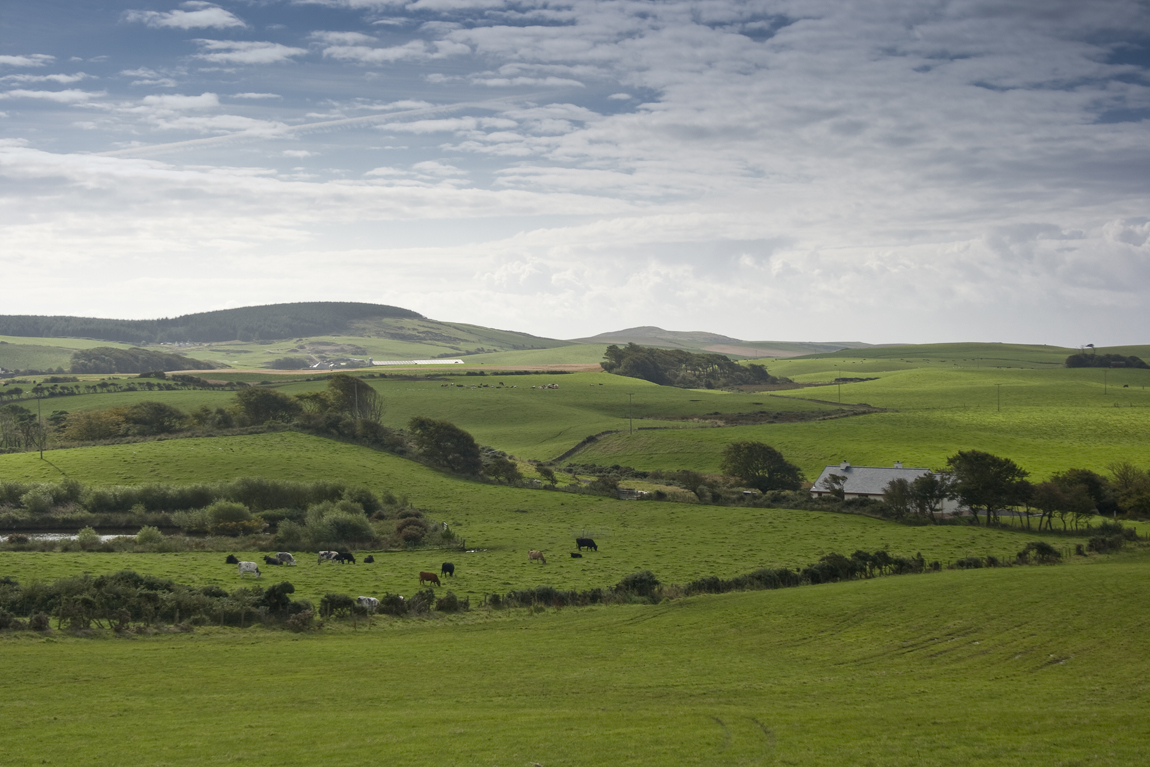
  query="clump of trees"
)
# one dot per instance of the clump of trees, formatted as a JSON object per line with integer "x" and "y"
{"x": 676, "y": 367}
{"x": 760, "y": 466}
{"x": 1084, "y": 360}
{"x": 110, "y": 359}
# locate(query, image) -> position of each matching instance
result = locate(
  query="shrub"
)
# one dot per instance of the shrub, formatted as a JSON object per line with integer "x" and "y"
{"x": 40, "y": 622}
{"x": 88, "y": 538}
{"x": 37, "y": 500}
{"x": 302, "y": 621}
{"x": 229, "y": 518}
{"x": 968, "y": 563}
{"x": 335, "y": 604}
{"x": 1103, "y": 544}
{"x": 1041, "y": 552}
{"x": 641, "y": 584}
{"x": 149, "y": 536}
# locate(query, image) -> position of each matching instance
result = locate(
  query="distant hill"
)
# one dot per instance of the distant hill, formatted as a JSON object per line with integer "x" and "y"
{"x": 252, "y": 323}
{"x": 712, "y": 342}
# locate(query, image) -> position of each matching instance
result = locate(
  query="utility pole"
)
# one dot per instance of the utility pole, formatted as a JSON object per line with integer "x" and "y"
{"x": 630, "y": 422}
{"x": 1104, "y": 372}
{"x": 999, "y": 388}
{"x": 40, "y": 427}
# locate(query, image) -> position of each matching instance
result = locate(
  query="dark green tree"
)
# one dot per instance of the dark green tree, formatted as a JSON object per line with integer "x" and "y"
{"x": 928, "y": 492}
{"x": 354, "y": 397}
{"x": 760, "y": 466}
{"x": 446, "y": 445}
{"x": 988, "y": 482}
{"x": 258, "y": 405}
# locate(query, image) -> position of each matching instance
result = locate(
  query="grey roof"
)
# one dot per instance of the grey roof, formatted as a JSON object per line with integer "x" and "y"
{"x": 866, "y": 480}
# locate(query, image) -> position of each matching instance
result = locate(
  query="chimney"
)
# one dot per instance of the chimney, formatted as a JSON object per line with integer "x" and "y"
{"x": 898, "y": 464}
{"x": 845, "y": 465}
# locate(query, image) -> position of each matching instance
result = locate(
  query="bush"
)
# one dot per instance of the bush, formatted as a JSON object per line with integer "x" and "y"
{"x": 40, "y": 622}
{"x": 88, "y": 538}
{"x": 1103, "y": 544}
{"x": 641, "y": 584}
{"x": 302, "y": 621}
{"x": 149, "y": 536}
{"x": 1041, "y": 552}
{"x": 449, "y": 603}
{"x": 229, "y": 518}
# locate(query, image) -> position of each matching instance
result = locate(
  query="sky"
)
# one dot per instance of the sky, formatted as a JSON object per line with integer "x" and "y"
{"x": 796, "y": 170}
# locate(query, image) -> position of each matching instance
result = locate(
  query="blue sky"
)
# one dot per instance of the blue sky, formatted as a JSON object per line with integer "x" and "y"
{"x": 883, "y": 171}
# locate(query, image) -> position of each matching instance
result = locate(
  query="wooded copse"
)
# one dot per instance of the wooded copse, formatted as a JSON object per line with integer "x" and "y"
{"x": 676, "y": 367}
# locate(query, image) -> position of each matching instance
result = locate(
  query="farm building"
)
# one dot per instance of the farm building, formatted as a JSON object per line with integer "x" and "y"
{"x": 870, "y": 481}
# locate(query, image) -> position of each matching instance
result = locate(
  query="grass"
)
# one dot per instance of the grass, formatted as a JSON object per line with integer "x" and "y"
{"x": 678, "y": 542}
{"x": 1035, "y": 666}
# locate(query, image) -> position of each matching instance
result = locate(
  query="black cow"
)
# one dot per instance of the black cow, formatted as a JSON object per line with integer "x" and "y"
{"x": 585, "y": 543}
{"x": 576, "y": 556}
{"x": 231, "y": 560}
{"x": 368, "y": 559}
{"x": 447, "y": 569}
{"x": 344, "y": 557}
{"x": 271, "y": 560}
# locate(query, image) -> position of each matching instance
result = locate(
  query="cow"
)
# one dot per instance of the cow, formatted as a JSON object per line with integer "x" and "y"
{"x": 585, "y": 543}
{"x": 327, "y": 556}
{"x": 533, "y": 554}
{"x": 368, "y": 559}
{"x": 286, "y": 558}
{"x": 271, "y": 560}
{"x": 429, "y": 578}
{"x": 249, "y": 567}
{"x": 447, "y": 569}
{"x": 344, "y": 557}
{"x": 231, "y": 560}
{"x": 575, "y": 555}
{"x": 371, "y": 604}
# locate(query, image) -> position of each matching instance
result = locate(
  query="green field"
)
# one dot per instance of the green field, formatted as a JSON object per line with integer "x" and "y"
{"x": 1027, "y": 666}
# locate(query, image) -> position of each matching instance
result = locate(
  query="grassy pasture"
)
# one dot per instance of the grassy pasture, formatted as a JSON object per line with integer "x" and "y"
{"x": 678, "y": 542}
{"x": 1034, "y": 666}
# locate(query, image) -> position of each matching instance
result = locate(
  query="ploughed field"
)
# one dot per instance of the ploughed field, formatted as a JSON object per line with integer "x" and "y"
{"x": 1024, "y": 666}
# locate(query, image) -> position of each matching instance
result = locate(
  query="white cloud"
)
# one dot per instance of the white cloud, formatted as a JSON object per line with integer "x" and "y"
{"x": 71, "y": 96}
{"x": 146, "y": 76}
{"x": 202, "y": 16}
{"x": 256, "y": 96}
{"x": 236, "y": 52}
{"x": 344, "y": 38}
{"x": 176, "y": 102}
{"x": 62, "y": 79}
{"x": 299, "y": 153}
{"x": 620, "y": 96}
{"x": 31, "y": 60}
{"x": 414, "y": 50}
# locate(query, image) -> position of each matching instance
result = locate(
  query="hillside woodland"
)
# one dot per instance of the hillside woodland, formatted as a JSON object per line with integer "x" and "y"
{"x": 683, "y": 369}
{"x": 252, "y": 323}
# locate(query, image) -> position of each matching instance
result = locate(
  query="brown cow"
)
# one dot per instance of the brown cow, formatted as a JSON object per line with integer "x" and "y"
{"x": 533, "y": 554}
{"x": 430, "y": 578}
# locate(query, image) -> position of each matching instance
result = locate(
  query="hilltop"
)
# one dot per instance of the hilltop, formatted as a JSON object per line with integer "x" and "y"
{"x": 648, "y": 335}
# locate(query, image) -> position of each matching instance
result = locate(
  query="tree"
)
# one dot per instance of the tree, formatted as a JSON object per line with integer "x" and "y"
{"x": 503, "y": 468}
{"x": 259, "y": 405}
{"x": 986, "y": 481}
{"x": 150, "y": 417}
{"x": 836, "y": 485}
{"x": 897, "y": 497}
{"x": 446, "y": 445}
{"x": 761, "y": 467}
{"x": 928, "y": 492}
{"x": 352, "y": 396}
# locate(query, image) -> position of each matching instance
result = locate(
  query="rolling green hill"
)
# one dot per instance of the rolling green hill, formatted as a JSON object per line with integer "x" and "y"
{"x": 698, "y": 341}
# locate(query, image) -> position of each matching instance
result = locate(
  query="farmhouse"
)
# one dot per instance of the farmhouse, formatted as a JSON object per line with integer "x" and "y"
{"x": 870, "y": 481}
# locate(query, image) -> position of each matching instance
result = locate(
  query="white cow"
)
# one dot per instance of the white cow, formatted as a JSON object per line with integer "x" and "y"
{"x": 249, "y": 567}
{"x": 371, "y": 603}
{"x": 286, "y": 558}
{"x": 328, "y": 556}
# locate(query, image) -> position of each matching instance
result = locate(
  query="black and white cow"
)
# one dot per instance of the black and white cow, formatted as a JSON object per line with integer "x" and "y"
{"x": 371, "y": 604}
{"x": 249, "y": 567}
{"x": 285, "y": 558}
{"x": 327, "y": 556}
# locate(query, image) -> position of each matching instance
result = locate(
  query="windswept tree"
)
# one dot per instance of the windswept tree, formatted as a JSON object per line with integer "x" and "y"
{"x": 928, "y": 493}
{"x": 760, "y": 466}
{"x": 353, "y": 396}
{"x": 986, "y": 481}
{"x": 446, "y": 445}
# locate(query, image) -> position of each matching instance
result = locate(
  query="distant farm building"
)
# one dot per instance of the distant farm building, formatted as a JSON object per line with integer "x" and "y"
{"x": 416, "y": 362}
{"x": 870, "y": 481}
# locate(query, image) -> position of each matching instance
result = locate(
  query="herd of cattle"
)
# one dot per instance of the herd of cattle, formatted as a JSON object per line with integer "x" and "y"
{"x": 281, "y": 558}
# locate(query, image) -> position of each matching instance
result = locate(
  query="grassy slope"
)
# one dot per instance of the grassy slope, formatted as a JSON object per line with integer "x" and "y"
{"x": 678, "y": 542}
{"x": 1037, "y": 666}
